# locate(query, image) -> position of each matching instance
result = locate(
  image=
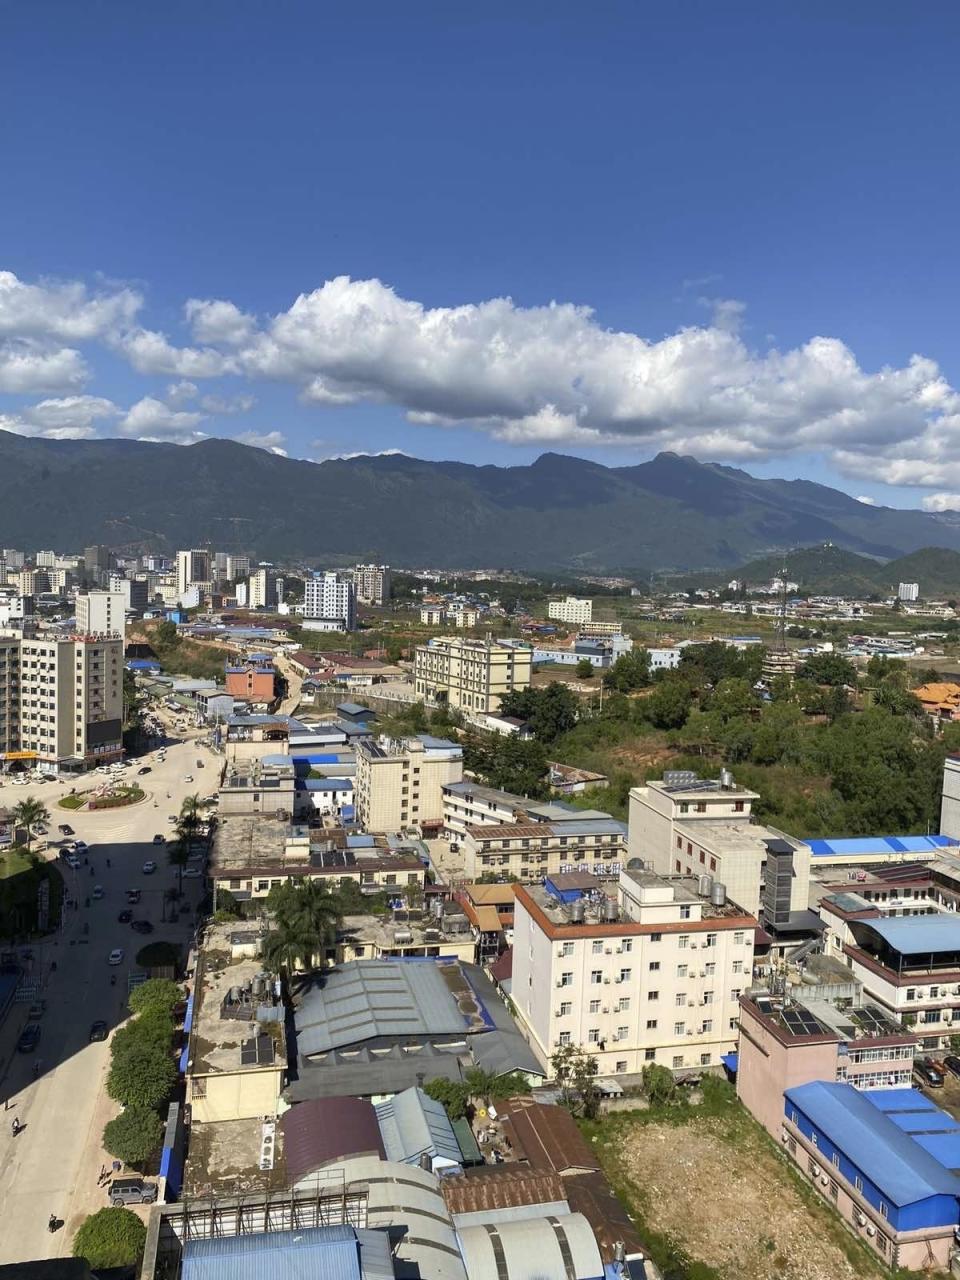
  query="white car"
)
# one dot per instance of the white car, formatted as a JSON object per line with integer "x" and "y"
{"x": 97, "y": 891}
{"x": 116, "y": 956}
{"x": 149, "y": 867}
{"x": 188, "y": 778}
{"x": 72, "y": 861}
{"x": 192, "y": 873}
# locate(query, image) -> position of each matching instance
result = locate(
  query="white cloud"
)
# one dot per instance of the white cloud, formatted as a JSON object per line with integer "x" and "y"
{"x": 181, "y": 393}
{"x": 26, "y": 367}
{"x": 867, "y": 502}
{"x": 151, "y": 419}
{"x": 273, "y": 441}
{"x": 20, "y": 426}
{"x": 71, "y": 411}
{"x": 218, "y": 323}
{"x": 227, "y": 404}
{"x": 152, "y": 352}
{"x": 941, "y": 502}
{"x": 66, "y": 311}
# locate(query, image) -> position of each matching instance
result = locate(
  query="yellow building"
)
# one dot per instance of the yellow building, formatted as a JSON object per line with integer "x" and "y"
{"x": 400, "y": 781}
{"x": 472, "y": 675}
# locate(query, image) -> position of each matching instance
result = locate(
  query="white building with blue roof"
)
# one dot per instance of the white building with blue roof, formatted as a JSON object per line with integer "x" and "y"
{"x": 888, "y": 1163}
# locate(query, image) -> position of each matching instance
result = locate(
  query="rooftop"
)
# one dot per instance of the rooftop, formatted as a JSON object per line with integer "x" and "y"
{"x": 328, "y": 1129}
{"x": 895, "y": 1162}
{"x": 918, "y": 935}
{"x": 325, "y": 1253}
{"x": 873, "y": 846}
{"x": 719, "y": 835}
{"x": 237, "y": 1020}
{"x": 822, "y": 1019}
{"x": 687, "y": 786}
{"x": 546, "y": 1137}
{"x": 412, "y": 1125}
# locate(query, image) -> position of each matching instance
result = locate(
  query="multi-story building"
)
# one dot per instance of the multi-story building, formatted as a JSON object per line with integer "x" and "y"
{"x": 70, "y": 699}
{"x": 685, "y": 825}
{"x": 45, "y": 559}
{"x": 533, "y": 849}
{"x": 237, "y": 567}
{"x": 254, "y": 681}
{"x": 908, "y": 591}
{"x": 373, "y": 583}
{"x": 101, "y": 613}
{"x": 97, "y": 560}
{"x": 135, "y": 591}
{"x": 193, "y": 568}
{"x": 33, "y": 582}
{"x": 262, "y": 589}
{"x": 950, "y": 800}
{"x": 471, "y": 675}
{"x": 400, "y": 782}
{"x": 329, "y": 603}
{"x": 786, "y": 1043}
{"x": 572, "y": 610}
{"x": 654, "y": 974}
{"x": 432, "y": 615}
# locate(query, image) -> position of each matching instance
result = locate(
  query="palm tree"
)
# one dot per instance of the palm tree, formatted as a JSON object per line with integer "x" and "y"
{"x": 185, "y": 832}
{"x": 28, "y": 814}
{"x": 481, "y": 1083}
{"x": 306, "y": 917}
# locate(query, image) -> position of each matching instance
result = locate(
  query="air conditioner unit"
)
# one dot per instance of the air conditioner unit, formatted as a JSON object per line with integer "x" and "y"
{"x": 703, "y": 973}
{"x": 860, "y": 1219}
{"x": 560, "y": 953}
{"x": 618, "y": 979}
{"x": 691, "y": 1004}
{"x": 619, "y": 952}
{"x": 558, "y": 1013}
{"x": 871, "y": 1229}
{"x": 608, "y": 951}
{"x": 561, "y": 983}
{"x": 606, "y": 982}
{"x": 605, "y": 1009}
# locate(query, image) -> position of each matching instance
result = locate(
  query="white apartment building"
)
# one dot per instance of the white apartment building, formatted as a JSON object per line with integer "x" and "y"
{"x": 472, "y": 675}
{"x": 654, "y": 974}
{"x": 45, "y": 559}
{"x": 102, "y": 613}
{"x": 193, "y": 567}
{"x": 572, "y": 610}
{"x": 237, "y": 567}
{"x": 534, "y": 847}
{"x": 908, "y": 591}
{"x": 468, "y": 804}
{"x": 372, "y": 583}
{"x": 685, "y": 825}
{"x": 70, "y": 692}
{"x": 329, "y": 602}
{"x": 400, "y": 782}
{"x": 665, "y": 659}
{"x": 432, "y": 615}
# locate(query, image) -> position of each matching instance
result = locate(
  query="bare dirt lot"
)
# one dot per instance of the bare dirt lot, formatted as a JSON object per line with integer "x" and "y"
{"x": 713, "y": 1190}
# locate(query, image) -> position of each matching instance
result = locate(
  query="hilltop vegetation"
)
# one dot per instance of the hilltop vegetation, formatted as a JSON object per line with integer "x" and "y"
{"x": 832, "y": 570}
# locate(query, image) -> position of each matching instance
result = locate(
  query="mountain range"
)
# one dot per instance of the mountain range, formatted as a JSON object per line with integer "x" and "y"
{"x": 832, "y": 570}
{"x": 558, "y": 513}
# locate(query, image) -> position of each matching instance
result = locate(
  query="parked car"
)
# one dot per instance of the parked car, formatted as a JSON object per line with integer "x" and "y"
{"x": 141, "y": 926}
{"x": 192, "y": 873}
{"x": 159, "y": 839}
{"x": 98, "y": 1030}
{"x": 133, "y": 896}
{"x": 124, "y": 917}
{"x": 952, "y": 1063}
{"x": 199, "y": 764}
{"x": 115, "y": 956}
{"x": 98, "y": 891}
{"x": 29, "y": 1038}
{"x": 928, "y": 1074}
{"x": 80, "y": 846}
{"x": 145, "y": 768}
{"x": 188, "y": 777}
{"x": 37, "y": 1010}
{"x": 149, "y": 867}
{"x": 65, "y": 829}
{"x": 132, "y": 1191}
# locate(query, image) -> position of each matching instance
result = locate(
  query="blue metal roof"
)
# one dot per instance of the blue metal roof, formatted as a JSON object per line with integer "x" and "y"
{"x": 912, "y": 935}
{"x": 873, "y": 845}
{"x": 327, "y": 784}
{"x": 944, "y": 1147}
{"x": 317, "y": 1253}
{"x": 899, "y": 1100}
{"x": 893, "y": 1161}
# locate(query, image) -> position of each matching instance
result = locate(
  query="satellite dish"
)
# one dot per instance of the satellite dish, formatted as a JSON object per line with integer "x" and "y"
{"x": 635, "y": 864}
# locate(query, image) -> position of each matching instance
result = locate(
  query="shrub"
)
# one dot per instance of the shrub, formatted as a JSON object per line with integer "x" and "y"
{"x": 111, "y": 1238}
{"x": 156, "y": 992}
{"x": 142, "y": 1074}
{"x": 72, "y": 802}
{"x": 134, "y": 1135}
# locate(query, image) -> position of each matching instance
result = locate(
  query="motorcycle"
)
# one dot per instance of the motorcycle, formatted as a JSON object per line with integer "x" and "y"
{"x": 53, "y": 1223}
{"x": 113, "y": 979}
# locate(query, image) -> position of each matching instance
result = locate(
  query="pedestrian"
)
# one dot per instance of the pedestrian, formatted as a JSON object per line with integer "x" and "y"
{"x": 117, "y": 1166}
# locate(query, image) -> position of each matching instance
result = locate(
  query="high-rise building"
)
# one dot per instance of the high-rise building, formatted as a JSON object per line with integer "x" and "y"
{"x": 45, "y": 559}
{"x": 373, "y": 583}
{"x": 96, "y": 559}
{"x": 193, "y": 568}
{"x": 33, "y": 582}
{"x": 13, "y": 559}
{"x": 472, "y": 675}
{"x": 329, "y": 602}
{"x": 102, "y": 613}
{"x": 908, "y": 591}
{"x": 237, "y": 567}
{"x": 262, "y": 590}
{"x": 219, "y": 565}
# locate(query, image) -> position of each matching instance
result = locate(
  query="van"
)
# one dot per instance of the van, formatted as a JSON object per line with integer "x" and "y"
{"x": 132, "y": 1191}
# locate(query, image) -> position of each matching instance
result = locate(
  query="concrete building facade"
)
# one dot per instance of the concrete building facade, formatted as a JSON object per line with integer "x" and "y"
{"x": 572, "y": 610}
{"x": 102, "y": 613}
{"x": 372, "y": 583}
{"x": 654, "y": 974}
{"x": 70, "y": 696}
{"x": 471, "y": 675}
{"x": 400, "y": 782}
{"x": 330, "y": 599}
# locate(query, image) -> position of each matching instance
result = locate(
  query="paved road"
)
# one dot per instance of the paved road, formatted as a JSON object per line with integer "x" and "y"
{"x": 52, "y": 1166}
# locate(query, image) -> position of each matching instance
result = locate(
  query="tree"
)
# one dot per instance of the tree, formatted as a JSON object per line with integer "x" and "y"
{"x": 658, "y": 1084}
{"x": 29, "y": 814}
{"x": 134, "y": 1135}
{"x": 142, "y": 1075}
{"x": 113, "y": 1237}
{"x": 453, "y": 1094}
{"x": 828, "y": 668}
{"x": 481, "y": 1083}
{"x": 551, "y": 710}
{"x": 733, "y": 697}
{"x": 306, "y": 918}
{"x": 584, "y": 669}
{"x": 167, "y": 634}
{"x": 667, "y": 706}
{"x": 575, "y": 1072}
{"x": 630, "y": 671}
{"x": 155, "y": 992}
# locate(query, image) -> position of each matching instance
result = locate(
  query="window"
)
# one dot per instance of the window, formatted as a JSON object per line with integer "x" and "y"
{"x": 710, "y": 968}
{"x": 568, "y": 948}
{"x": 623, "y": 1004}
{"x": 708, "y": 997}
{"x": 627, "y": 974}
{"x": 653, "y": 995}
{"x": 836, "y": 1159}
{"x": 598, "y": 948}
{"x": 680, "y": 999}
{"x": 834, "y": 1189}
{"x": 566, "y": 979}
{"x": 651, "y": 1024}
{"x": 627, "y": 946}
{"x": 738, "y": 966}
{"x": 684, "y": 912}
{"x": 655, "y": 937}
{"x": 593, "y": 1036}
{"x": 813, "y": 1140}
{"x": 705, "y": 1059}
{"x": 198, "y": 1087}
{"x": 677, "y": 1060}
{"x": 679, "y": 1028}
{"x": 858, "y": 1182}
{"x": 621, "y": 1066}
{"x": 683, "y": 941}
{"x": 596, "y": 976}
{"x": 882, "y": 1242}
{"x": 707, "y": 1026}
{"x": 594, "y": 1006}
{"x": 566, "y": 1008}
{"x": 682, "y": 970}
{"x": 623, "y": 1033}
{"x": 653, "y": 966}
{"x": 564, "y": 1037}
{"x": 884, "y": 1209}
{"x": 911, "y": 993}
{"x": 649, "y": 1055}
{"x": 711, "y": 940}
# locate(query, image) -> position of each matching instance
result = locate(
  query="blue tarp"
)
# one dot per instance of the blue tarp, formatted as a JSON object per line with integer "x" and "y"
{"x": 730, "y": 1061}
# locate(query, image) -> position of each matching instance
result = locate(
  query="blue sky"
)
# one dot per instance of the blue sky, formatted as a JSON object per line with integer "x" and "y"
{"x": 746, "y": 214}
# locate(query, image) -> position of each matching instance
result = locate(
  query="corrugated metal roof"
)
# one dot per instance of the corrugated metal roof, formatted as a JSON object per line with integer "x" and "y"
{"x": 547, "y": 1137}
{"x": 874, "y": 845}
{"x": 325, "y": 1129}
{"x": 317, "y": 1253}
{"x": 895, "y": 1162}
{"x": 911, "y": 935}
{"x": 411, "y": 1125}
{"x": 551, "y": 1246}
{"x": 500, "y": 1188}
